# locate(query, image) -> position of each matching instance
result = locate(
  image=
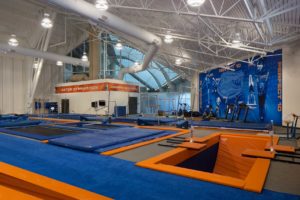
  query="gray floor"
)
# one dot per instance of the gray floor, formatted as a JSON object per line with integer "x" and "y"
{"x": 282, "y": 177}
{"x": 154, "y": 149}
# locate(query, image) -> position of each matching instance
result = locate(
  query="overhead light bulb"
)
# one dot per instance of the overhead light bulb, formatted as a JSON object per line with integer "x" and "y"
{"x": 101, "y": 4}
{"x": 35, "y": 63}
{"x": 84, "y": 57}
{"x": 168, "y": 38}
{"x": 59, "y": 63}
{"x": 178, "y": 61}
{"x": 236, "y": 42}
{"x": 195, "y": 3}
{"x": 46, "y": 21}
{"x": 13, "y": 41}
{"x": 119, "y": 46}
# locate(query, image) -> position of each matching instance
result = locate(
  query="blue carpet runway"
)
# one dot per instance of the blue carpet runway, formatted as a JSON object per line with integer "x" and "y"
{"x": 113, "y": 177}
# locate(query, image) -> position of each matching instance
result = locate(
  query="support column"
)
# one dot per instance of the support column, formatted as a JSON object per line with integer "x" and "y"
{"x": 195, "y": 92}
{"x": 94, "y": 56}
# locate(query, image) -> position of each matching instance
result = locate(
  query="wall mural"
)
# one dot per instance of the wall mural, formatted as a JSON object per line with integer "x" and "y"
{"x": 258, "y": 85}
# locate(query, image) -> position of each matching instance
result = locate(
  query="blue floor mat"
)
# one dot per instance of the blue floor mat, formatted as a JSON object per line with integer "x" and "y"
{"x": 156, "y": 121}
{"x": 87, "y": 125}
{"x": 125, "y": 119}
{"x": 115, "y": 178}
{"x": 164, "y": 133}
{"x": 101, "y": 139}
{"x": 235, "y": 125}
{"x": 4, "y": 124}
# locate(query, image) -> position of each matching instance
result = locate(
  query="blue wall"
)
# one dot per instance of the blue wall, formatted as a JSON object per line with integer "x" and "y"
{"x": 259, "y": 85}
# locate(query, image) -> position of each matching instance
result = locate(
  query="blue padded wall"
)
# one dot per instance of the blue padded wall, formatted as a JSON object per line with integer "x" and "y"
{"x": 259, "y": 85}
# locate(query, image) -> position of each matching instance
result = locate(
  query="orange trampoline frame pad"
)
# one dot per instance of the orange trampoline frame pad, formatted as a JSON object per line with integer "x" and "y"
{"x": 254, "y": 180}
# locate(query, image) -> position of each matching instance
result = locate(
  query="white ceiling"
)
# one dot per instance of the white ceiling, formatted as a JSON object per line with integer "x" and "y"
{"x": 202, "y": 35}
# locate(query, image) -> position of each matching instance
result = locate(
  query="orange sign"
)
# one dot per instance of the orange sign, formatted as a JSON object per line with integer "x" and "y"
{"x": 94, "y": 87}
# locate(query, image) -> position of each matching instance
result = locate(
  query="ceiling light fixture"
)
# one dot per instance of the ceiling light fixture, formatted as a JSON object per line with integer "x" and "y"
{"x": 119, "y": 46}
{"x": 35, "y": 63}
{"x": 136, "y": 64}
{"x": 195, "y": 3}
{"x": 84, "y": 57}
{"x": 13, "y": 41}
{"x": 46, "y": 21}
{"x": 59, "y": 63}
{"x": 178, "y": 61}
{"x": 236, "y": 42}
{"x": 168, "y": 38}
{"x": 101, "y": 4}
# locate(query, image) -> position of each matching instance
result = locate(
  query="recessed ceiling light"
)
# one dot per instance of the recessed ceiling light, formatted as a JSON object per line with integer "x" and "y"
{"x": 46, "y": 21}
{"x": 13, "y": 41}
{"x": 119, "y": 46}
{"x": 195, "y": 3}
{"x": 168, "y": 38}
{"x": 178, "y": 61}
{"x": 101, "y": 4}
{"x": 59, "y": 63}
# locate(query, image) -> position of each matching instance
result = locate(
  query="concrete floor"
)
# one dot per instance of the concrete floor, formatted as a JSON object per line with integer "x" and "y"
{"x": 282, "y": 177}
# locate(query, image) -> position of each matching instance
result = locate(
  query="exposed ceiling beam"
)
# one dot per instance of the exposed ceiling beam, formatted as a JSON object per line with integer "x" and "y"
{"x": 189, "y": 14}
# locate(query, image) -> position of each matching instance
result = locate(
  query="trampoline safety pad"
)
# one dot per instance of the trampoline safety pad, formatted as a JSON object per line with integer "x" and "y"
{"x": 102, "y": 139}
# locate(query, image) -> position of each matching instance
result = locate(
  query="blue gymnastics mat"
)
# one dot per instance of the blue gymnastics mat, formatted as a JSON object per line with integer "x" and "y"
{"x": 101, "y": 139}
{"x": 40, "y": 132}
{"x": 155, "y": 121}
{"x": 125, "y": 119}
{"x": 233, "y": 125}
{"x": 151, "y": 137}
{"x": 16, "y": 123}
{"x": 87, "y": 125}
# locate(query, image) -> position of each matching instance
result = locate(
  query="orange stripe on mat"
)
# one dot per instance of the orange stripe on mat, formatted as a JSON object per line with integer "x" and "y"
{"x": 17, "y": 183}
{"x": 55, "y": 120}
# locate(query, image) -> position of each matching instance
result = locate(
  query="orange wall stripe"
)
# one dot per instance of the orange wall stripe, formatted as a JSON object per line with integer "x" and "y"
{"x": 94, "y": 87}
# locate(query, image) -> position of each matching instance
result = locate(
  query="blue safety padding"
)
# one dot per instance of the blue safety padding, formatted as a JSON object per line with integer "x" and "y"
{"x": 125, "y": 119}
{"x": 86, "y": 125}
{"x": 18, "y": 123}
{"x": 100, "y": 139}
{"x": 4, "y": 118}
{"x": 156, "y": 121}
{"x": 91, "y": 118}
{"x": 235, "y": 125}
{"x": 36, "y": 136}
{"x": 162, "y": 134}
{"x": 182, "y": 124}
{"x": 64, "y": 116}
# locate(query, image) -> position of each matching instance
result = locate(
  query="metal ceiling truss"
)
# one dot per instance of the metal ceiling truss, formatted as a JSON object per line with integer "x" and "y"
{"x": 212, "y": 26}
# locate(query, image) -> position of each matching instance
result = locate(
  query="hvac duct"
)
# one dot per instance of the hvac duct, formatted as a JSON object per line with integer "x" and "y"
{"x": 42, "y": 54}
{"x": 99, "y": 17}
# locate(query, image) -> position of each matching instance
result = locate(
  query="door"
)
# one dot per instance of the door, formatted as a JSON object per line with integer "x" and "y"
{"x": 132, "y": 104}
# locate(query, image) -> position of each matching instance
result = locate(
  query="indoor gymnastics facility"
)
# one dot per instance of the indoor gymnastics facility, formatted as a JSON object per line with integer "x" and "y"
{"x": 149, "y": 99}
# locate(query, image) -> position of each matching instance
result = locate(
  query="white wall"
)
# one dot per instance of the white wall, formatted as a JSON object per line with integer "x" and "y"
{"x": 291, "y": 80}
{"x": 14, "y": 82}
{"x": 81, "y": 102}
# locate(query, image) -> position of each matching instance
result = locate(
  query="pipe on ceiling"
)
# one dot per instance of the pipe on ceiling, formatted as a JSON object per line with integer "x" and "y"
{"x": 42, "y": 54}
{"x": 107, "y": 19}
